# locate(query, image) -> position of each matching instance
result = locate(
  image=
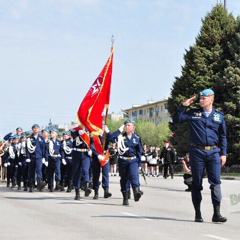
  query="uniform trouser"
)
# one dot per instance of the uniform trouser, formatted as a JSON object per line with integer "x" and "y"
{"x": 165, "y": 169}
{"x": 128, "y": 170}
{"x": 69, "y": 170}
{"x": 199, "y": 160}
{"x": 80, "y": 170}
{"x": 35, "y": 166}
{"x": 11, "y": 171}
{"x": 63, "y": 173}
{"x": 54, "y": 166}
{"x": 44, "y": 173}
{"x": 96, "y": 168}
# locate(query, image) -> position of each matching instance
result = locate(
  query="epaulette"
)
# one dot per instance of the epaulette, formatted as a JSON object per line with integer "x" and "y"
{"x": 219, "y": 111}
{"x": 137, "y": 135}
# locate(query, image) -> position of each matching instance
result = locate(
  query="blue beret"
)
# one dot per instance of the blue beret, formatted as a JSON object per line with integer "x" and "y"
{"x": 66, "y": 133}
{"x": 35, "y": 125}
{"x": 54, "y": 130}
{"x": 46, "y": 130}
{"x": 206, "y": 92}
{"x": 19, "y": 128}
{"x": 23, "y": 136}
{"x": 129, "y": 121}
{"x": 15, "y": 136}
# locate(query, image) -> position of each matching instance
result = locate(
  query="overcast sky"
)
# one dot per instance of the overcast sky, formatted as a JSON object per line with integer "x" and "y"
{"x": 51, "y": 51}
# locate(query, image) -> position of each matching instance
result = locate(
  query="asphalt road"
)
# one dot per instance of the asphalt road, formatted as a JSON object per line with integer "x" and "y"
{"x": 164, "y": 211}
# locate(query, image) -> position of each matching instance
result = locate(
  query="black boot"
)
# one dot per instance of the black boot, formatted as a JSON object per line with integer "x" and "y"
{"x": 62, "y": 186}
{"x": 125, "y": 198}
{"x": 57, "y": 187}
{"x": 137, "y": 194}
{"x": 8, "y": 183}
{"x": 50, "y": 186}
{"x": 87, "y": 189}
{"x": 77, "y": 197}
{"x": 19, "y": 186}
{"x": 129, "y": 194}
{"x": 107, "y": 194}
{"x": 25, "y": 187}
{"x": 198, "y": 215}
{"x": 95, "y": 194}
{"x": 69, "y": 189}
{"x": 40, "y": 185}
{"x": 30, "y": 187}
{"x": 13, "y": 183}
{"x": 217, "y": 217}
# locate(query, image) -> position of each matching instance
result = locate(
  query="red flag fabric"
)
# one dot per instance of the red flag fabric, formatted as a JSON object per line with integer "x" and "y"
{"x": 91, "y": 110}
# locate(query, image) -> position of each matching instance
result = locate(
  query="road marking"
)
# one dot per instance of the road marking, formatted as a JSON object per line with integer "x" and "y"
{"x": 133, "y": 215}
{"x": 216, "y": 237}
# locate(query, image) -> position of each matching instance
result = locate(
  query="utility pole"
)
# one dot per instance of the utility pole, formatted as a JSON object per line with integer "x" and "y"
{"x": 225, "y": 4}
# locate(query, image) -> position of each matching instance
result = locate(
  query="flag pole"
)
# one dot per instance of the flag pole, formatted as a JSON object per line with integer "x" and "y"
{"x": 106, "y": 113}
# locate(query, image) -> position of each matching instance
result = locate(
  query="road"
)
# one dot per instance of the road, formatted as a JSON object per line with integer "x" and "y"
{"x": 164, "y": 211}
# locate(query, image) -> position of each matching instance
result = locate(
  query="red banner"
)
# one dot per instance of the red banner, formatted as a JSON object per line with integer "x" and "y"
{"x": 91, "y": 110}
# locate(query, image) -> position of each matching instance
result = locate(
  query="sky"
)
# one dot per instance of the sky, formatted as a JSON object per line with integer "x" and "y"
{"x": 51, "y": 51}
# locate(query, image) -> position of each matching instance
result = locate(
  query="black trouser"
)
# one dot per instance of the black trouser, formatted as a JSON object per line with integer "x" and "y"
{"x": 165, "y": 169}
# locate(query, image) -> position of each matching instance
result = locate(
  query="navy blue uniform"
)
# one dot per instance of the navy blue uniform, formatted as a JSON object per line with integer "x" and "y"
{"x": 130, "y": 161}
{"x": 208, "y": 143}
{"x": 54, "y": 162}
{"x": 36, "y": 151}
{"x": 80, "y": 161}
{"x": 96, "y": 169}
{"x": 67, "y": 155}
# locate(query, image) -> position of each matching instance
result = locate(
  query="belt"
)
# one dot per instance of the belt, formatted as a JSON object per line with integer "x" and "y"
{"x": 207, "y": 148}
{"x": 127, "y": 158}
{"x": 80, "y": 149}
{"x": 69, "y": 157}
{"x": 56, "y": 155}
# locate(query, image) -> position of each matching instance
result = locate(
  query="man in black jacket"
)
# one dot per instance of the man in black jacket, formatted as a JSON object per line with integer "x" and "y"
{"x": 169, "y": 157}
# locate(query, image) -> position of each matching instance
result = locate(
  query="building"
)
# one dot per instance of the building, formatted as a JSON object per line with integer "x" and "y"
{"x": 154, "y": 111}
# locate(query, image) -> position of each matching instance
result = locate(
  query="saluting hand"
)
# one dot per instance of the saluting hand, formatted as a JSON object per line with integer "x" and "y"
{"x": 189, "y": 101}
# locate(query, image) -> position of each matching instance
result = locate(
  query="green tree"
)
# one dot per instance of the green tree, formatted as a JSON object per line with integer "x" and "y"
{"x": 206, "y": 63}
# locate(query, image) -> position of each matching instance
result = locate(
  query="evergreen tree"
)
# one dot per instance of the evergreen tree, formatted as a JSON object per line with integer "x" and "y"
{"x": 205, "y": 67}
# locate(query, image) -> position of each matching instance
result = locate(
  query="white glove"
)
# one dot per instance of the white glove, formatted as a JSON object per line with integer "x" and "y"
{"x": 139, "y": 168}
{"x": 8, "y": 164}
{"x": 5, "y": 164}
{"x": 20, "y": 163}
{"x": 64, "y": 161}
{"x": 89, "y": 152}
{"x": 121, "y": 128}
{"x": 101, "y": 158}
{"x": 106, "y": 130}
{"x": 28, "y": 160}
{"x": 81, "y": 132}
{"x": 43, "y": 160}
{"x": 16, "y": 166}
{"x": 46, "y": 164}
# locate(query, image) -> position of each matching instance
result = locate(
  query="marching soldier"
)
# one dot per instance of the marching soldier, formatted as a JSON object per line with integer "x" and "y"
{"x": 67, "y": 158}
{"x": 45, "y": 134}
{"x": 130, "y": 151}
{"x": 97, "y": 167}
{"x": 81, "y": 160}
{"x": 54, "y": 160}
{"x": 36, "y": 155}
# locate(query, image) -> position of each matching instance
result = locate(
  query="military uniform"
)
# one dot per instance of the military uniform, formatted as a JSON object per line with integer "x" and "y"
{"x": 208, "y": 142}
{"x": 36, "y": 155}
{"x": 80, "y": 162}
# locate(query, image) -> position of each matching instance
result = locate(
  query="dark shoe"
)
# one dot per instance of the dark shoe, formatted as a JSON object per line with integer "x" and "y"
{"x": 77, "y": 197}
{"x": 57, "y": 187}
{"x": 19, "y": 187}
{"x": 31, "y": 187}
{"x": 198, "y": 215}
{"x": 137, "y": 194}
{"x": 13, "y": 183}
{"x": 25, "y": 187}
{"x": 51, "y": 188}
{"x": 95, "y": 194}
{"x": 172, "y": 176}
{"x": 87, "y": 189}
{"x": 8, "y": 183}
{"x": 107, "y": 194}
{"x": 69, "y": 189}
{"x": 129, "y": 194}
{"x": 125, "y": 198}
{"x": 217, "y": 217}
